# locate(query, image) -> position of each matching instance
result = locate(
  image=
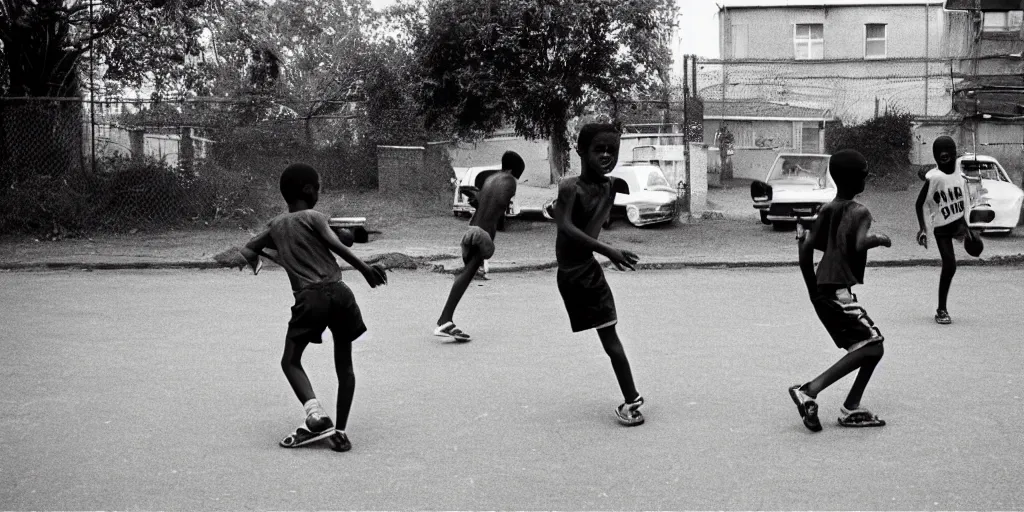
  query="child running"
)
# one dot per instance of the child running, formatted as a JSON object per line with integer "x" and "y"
{"x": 491, "y": 202}
{"x": 841, "y": 232}
{"x": 945, "y": 193}
{"x": 583, "y": 205}
{"x": 304, "y": 243}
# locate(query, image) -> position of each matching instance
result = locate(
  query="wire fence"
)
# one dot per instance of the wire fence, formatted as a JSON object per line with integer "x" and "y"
{"x": 69, "y": 165}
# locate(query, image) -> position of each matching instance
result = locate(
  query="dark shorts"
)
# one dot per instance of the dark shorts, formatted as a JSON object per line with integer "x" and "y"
{"x": 587, "y": 296}
{"x": 956, "y": 229}
{"x": 844, "y": 319}
{"x": 325, "y": 306}
{"x": 477, "y": 241}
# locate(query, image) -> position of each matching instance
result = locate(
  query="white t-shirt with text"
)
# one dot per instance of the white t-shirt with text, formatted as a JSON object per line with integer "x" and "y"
{"x": 947, "y": 197}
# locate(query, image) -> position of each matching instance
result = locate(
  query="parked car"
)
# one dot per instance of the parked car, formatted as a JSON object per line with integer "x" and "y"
{"x": 643, "y": 196}
{"x": 796, "y": 186}
{"x": 995, "y": 200}
{"x": 528, "y": 200}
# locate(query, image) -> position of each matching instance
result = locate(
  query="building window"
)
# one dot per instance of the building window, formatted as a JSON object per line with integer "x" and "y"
{"x": 808, "y": 41}
{"x": 1005, "y": 21}
{"x": 874, "y": 41}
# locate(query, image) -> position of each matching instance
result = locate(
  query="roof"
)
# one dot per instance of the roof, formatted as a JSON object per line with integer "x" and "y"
{"x": 763, "y": 110}
{"x": 753, "y": 4}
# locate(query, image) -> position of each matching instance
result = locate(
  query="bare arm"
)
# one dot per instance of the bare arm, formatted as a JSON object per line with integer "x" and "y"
{"x": 865, "y": 241}
{"x": 806, "y": 255}
{"x": 563, "y": 219}
{"x": 337, "y": 247}
{"x": 919, "y": 205}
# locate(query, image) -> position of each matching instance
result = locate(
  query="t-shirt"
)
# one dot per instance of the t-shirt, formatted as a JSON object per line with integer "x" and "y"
{"x": 591, "y": 205}
{"x": 947, "y": 197}
{"x": 301, "y": 250}
{"x": 835, "y": 233}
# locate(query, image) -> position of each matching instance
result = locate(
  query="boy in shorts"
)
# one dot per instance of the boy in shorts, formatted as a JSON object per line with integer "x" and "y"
{"x": 304, "y": 242}
{"x": 583, "y": 205}
{"x": 841, "y": 232}
{"x": 945, "y": 192}
{"x": 491, "y": 202}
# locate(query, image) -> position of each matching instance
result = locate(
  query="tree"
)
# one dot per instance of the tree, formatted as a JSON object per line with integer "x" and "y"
{"x": 535, "y": 64}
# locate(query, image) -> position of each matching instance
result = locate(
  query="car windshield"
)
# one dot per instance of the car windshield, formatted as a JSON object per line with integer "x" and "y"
{"x": 656, "y": 181}
{"x": 808, "y": 169}
{"x": 981, "y": 169}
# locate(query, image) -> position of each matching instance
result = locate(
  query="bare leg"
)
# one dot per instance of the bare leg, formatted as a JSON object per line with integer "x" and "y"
{"x": 876, "y": 350}
{"x": 291, "y": 363}
{"x": 346, "y": 381}
{"x": 613, "y": 347}
{"x": 945, "y": 245}
{"x": 459, "y": 288}
{"x": 866, "y": 355}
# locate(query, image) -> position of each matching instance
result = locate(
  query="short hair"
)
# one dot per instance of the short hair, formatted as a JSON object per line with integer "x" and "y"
{"x": 591, "y": 130}
{"x": 511, "y": 161}
{"x": 848, "y": 167}
{"x": 294, "y": 178}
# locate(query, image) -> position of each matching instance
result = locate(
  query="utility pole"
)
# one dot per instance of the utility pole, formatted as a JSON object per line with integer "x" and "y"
{"x": 927, "y": 54}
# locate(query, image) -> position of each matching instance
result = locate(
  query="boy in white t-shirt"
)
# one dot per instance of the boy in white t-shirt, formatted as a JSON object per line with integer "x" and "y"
{"x": 946, "y": 194}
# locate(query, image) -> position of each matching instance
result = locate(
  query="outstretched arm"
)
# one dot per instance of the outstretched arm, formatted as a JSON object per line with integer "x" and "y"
{"x": 865, "y": 241}
{"x": 373, "y": 277}
{"x": 563, "y": 219}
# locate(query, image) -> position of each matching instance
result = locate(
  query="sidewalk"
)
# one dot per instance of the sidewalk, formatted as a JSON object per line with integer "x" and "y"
{"x": 732, "y": 236}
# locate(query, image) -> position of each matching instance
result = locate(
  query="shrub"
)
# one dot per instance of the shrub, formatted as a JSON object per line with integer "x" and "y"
{"x": 884, "y": 141}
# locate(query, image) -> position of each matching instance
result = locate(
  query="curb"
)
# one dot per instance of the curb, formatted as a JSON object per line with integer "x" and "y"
{"x": 394, "y": 261}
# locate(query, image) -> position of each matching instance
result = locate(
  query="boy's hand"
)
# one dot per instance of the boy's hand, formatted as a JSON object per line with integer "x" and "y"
{"x": 623, "y": 259}
{"x": 922, "y": 238}
{"x": 252, "y": 259}
{"x": 375, "y": 276}
{"x": 884, "y": 241}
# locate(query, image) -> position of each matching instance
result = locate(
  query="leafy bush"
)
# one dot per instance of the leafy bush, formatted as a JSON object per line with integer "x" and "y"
{"x": 127, "y": 194}
{"x": 884, "y": 141}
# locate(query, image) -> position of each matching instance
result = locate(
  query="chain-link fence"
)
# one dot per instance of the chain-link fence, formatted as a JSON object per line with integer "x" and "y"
{"x": 68, "y": 165}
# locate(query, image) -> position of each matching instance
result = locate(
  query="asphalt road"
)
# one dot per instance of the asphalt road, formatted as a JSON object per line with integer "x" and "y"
{"x": 162, "y": 390}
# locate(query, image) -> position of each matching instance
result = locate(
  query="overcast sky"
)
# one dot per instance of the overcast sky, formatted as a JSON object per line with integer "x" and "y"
{"x": 698, "y": 24}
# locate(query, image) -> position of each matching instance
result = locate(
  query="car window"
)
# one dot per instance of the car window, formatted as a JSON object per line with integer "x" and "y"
{"x": 657, "y": 180}
{"x": 981, "y": 169}
{"x": 800, "y": 169}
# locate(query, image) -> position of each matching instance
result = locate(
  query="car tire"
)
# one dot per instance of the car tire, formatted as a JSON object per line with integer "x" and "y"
{"x": 764, "y": 218}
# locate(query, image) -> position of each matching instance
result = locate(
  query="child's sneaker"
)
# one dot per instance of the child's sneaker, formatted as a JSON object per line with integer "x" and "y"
{"x": 448, "y": 330}
{"x": 807, "y": 406}
{"x": 339, "y": 441}
{"x": 628, "y": 414}
{"x": 942, "y": 317}
{"x": 859, "y": 417}
{"x": 315, "y": 428}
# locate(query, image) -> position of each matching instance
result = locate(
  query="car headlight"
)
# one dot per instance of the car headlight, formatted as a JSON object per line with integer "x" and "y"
{"x": 633, "y": 213}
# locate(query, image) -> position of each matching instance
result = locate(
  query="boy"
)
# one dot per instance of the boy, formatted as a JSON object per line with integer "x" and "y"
{"x": 946, "y": 194}
{"x": 841, "y": 232}
{"x": 304, "y": 242}
{"x": 583, "y": 205}
{"x": 491, "y": 202}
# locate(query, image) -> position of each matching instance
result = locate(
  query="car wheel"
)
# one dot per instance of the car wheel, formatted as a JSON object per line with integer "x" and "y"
{"x": 764, "y": 218}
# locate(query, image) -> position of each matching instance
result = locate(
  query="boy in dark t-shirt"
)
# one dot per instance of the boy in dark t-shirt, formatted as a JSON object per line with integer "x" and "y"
{"x": 304, "y": 243}
{"x": 841, "y": 232}
{"x": 583, "y": 205}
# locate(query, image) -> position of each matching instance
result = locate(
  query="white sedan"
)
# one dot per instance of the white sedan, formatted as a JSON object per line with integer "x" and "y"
{"x": 995, "y": 200}
{"x": 643, "y": 196}
{"x": 796, "y": 186}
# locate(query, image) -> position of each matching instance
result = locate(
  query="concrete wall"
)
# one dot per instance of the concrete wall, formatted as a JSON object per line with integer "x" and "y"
{"x": 753, "y": 134}
{"x": 769, "y": 30}
{"x": 489, "y": 151}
